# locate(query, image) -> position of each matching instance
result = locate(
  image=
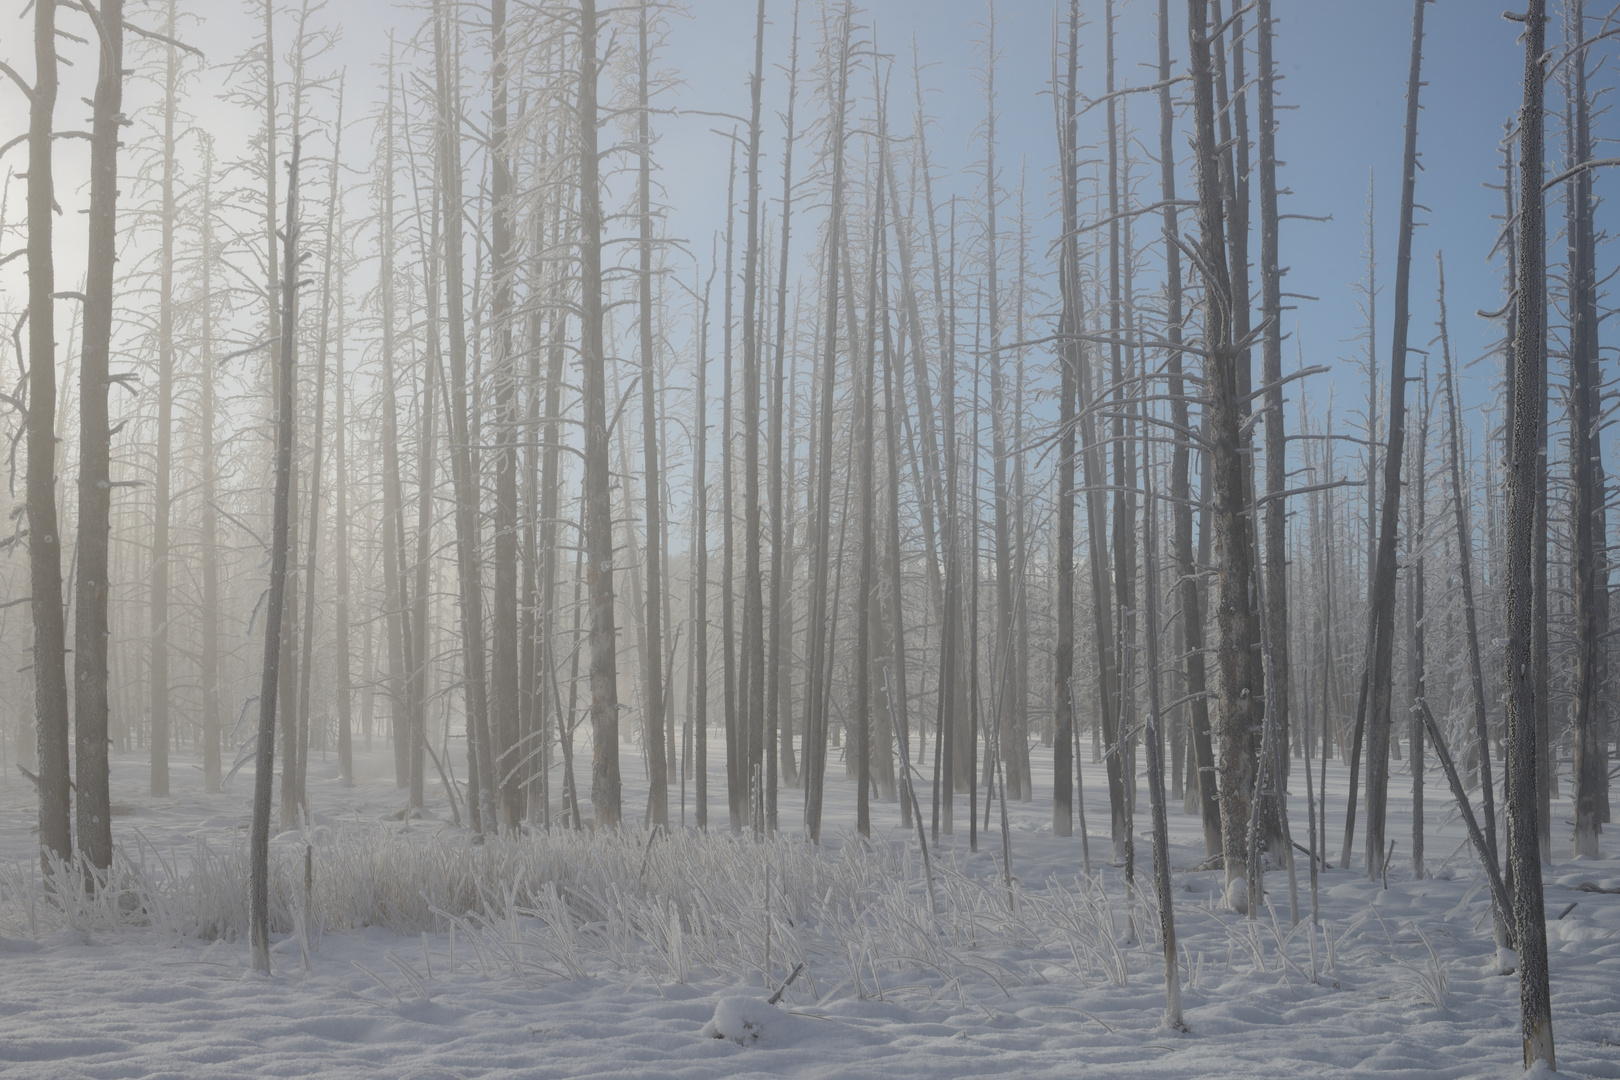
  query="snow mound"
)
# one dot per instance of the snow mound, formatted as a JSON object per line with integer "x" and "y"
{"x": 749, "y": 1021}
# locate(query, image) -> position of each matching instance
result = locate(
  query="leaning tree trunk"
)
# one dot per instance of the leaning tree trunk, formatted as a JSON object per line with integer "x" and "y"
{"x": 481, "y": 755}
{"x": 90, "y": 626}
{"x": 1465, "y": 572}
{"x": 280, "y": 536}
{"x": 1523, "y": 490}
{"x": 1381, "y": 597}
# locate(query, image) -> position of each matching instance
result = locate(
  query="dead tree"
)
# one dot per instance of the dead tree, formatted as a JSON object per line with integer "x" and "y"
{"x": 504, "y": 726}
{"x": 752, "y": 690}
{"x": 779, "y": 747}
{"x": 44, "y": 539}
{"x": 605, "y": 785}
{"x": 1240, "y": 683}
{"x": 1465, "y": 572}
{"x": 90, "y": 625}
{"x": 1381, "y": 596}
{"x": 280, "y": 537}
{"x": 816, "y": 710}
{"x": 1524, "y": 489}
{"x": 158, "y": 643}
{"x": 1587, "y": 497}
{"x": 480, "y": 754}
{"x": 1271, "y": 274}
{"x": 652, "y": 659}
{"x": 1069, "y": 326}
{"x": 1191, "y": 603}
{"x": 207, "y": 416}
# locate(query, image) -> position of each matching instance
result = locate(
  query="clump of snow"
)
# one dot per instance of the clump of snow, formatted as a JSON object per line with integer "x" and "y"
{"x": 743, "y": 1020}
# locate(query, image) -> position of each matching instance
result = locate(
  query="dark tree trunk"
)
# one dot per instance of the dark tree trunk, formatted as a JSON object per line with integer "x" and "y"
{"x": 1591, "y": 576}
{"x": 1381, "y": 597}
{"x": 1524, "y": 489}
{"x": 1240, "y": 683}
{"x": 1192, "y": 613}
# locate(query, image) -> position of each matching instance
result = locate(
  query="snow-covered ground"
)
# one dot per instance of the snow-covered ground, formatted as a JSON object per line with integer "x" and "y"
{"x": 651, "y": 961}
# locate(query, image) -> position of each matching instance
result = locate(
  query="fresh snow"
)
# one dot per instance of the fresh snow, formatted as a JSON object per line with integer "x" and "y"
{"x": 622, "y": 972}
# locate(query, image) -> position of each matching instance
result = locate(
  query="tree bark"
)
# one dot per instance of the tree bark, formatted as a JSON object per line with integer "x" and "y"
{"x": 280, "y": 535}
{"x": 44, "y": 540}
{"x": 1523, "y": 491}
{"x": 605, "y": 783}
{"x": 1381, "y": 598}
{"x": 90, "y": 625}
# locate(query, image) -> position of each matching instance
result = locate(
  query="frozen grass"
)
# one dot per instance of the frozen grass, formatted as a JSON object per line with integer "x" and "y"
{"x": 445, "y": 950}
{"x": 677, "y": 906}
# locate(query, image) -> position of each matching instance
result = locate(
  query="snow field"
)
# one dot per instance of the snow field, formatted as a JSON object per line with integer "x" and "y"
{"x": 429, "y": 955}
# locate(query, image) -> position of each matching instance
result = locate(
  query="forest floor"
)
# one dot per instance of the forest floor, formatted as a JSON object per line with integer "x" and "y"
{"x": 1397, "y": 981}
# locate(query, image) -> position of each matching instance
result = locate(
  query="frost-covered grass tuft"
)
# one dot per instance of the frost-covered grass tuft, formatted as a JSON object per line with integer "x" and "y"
{"x": 680, "y": 906}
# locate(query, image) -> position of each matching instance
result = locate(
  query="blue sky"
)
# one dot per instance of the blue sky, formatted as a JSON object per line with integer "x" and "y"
{"x": 1344, "y": 67}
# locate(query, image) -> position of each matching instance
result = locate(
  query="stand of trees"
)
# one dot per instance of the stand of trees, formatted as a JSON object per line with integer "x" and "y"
{"x": 932, "y": 515}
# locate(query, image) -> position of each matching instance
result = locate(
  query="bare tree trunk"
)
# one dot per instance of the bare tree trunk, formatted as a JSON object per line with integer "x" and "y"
{"x": 395, "y": 580}
{"x": 1465, "y": 571}
{"x": 779, "y": 745}
{"x": 653, "y": 658}
{"x": 1240, "y": 684}
{"x": 817, "y": 711}
{"x": 752, "y": 703}
{"x": 1591, "y": 576}
{"x": 1163, "y": 894}
{"x": 164, "y": 465}
{"x": 1063, "y": 763}
{"x": 605, "y": 784}
{"x": 1381, "y": 598}
{"x": 1002, "y": 706}
{"x": 280, "y": 536}
{"x": 44, "y": 540}
{"x": 481, "y": 755}
{"x": 208, "y": 511}
{"x": 1276, "y": 517}
{"x": 90, "y": 625}
{"x": 340, "y": 534}
{"x": 1372, "y": 532}
{"x": 1523, "y": 490}
{"x": 504, "y": 727}
{"x": 1415, "y": 543}
{"x": 1192, "y": 615}
{"x": 736, "y": 754}
{"x": 700, "y": 573}
{"x": 865, "y": 449}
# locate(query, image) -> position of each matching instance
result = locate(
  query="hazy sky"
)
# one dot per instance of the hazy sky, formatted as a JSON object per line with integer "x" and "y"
{"x": 1344, "y": 67}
